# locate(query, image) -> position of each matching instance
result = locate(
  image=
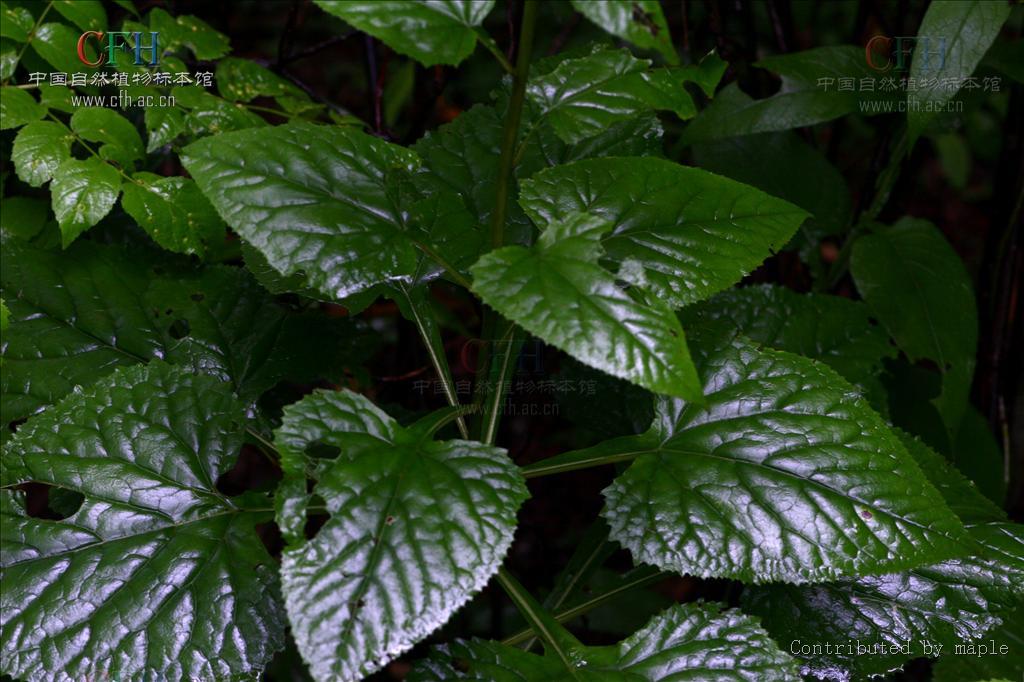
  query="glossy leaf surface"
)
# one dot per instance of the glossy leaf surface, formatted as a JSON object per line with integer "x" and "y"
{"x": 684, "y": 233}
{"x": 641, "y": 23}
{"x": 558, "y": 291}
{"x": 312, "y": 199}
{"x": 735, "y": 488}
{"x": 156, "y": 575}
{"x": 432, "y": 32}
{"x": 416, "y": 527}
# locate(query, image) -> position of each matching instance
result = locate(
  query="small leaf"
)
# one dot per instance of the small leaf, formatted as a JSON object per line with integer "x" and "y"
{"x": 83, "y": 192}
{"x": 688, "y": 641}
{"x": 55, "y": 43}
{"x": 956, "y": 35}
{"x": 157, "y": 575}
{"x": 39, "y": 149}
{"x": 204, "y": 41}
{"x": 916, "y": 284}
{"x": 16, "y": 23}
{"x": 209, "y": 114}
{"x": 735, "y": 488}
{"x": 173, "y": 212}
{"x": 164, "y": 125}
{"x": 312, "y": 199}
{"x": 121, "y": 142}
{"x": 688, "y": 232}
{"x": 558, "y": 291}
{"x": 641, "y": 23}
{"x": 242, "y": 80}
{"x": 416, "y": 527}
{"x": 438, "y": 32}
{"x": 87, "y": 15}
{"x": 582, "y": 97}
{"x": 17, "y": 108}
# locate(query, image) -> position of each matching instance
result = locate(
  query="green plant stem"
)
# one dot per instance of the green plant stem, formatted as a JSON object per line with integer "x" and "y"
{"x": 558, "y": 465}
{"x": 557, "y": 639}
{"x": 504, "y": 353}
{"x": 92, "y": 151}
{"x": 511, "y": 129}
{"x": 264, "y": 446}
{"x": 449, "y": 269}
{"x": 567, "y": 615}
{"x": 435, "y": 349}
{"x": 488, "y": 43}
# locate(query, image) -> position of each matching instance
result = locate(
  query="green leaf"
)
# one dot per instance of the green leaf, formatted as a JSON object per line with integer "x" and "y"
{"x": 17, "y": 108}
{"x": 964, "y": 31}
{"x": 157, "y": 575}
{"x": 978, "y": 660}
{"x": 8, "y": 58}
{"x": 641, "y": 23}
{"x": 916, "y": 285}
{"x": 83, "y": 192}
{"x": 204, "y": 41}
{"x": 682, "y": 232}
{"x": 173, "y": 212}
{"x": 437, "y": 32}
{"x": 79, "y": 314}
{"x": 311, "y": 198}
{"x": 832, "y": 329}
{"x": 57, "y": 97}
{"x": 688, "y": 641}
{"x": 558, "y": 291}
{"x": 164, "y": 125}
{"x": 120, "y": 141}
{"x": 39, "y": 149}
{"x": 944, "y": 603}
{"x": 978, "y": 454}
{"x": 784, "y": 166}
{"x": 55, "y": 43}
{"x": 416, "y": 527}
{"x": 5, "y": 315}
{"x": 16, "y": 22}
{"x": 802, "y": 100}
{"x": 23, "y": 218}
{"x": 209, "y": 114}
{"x": 87, "y": 15}
{"x": 242, "y": 80}
{"x": 582, "y": 97}
{"x": 735, "y": 488}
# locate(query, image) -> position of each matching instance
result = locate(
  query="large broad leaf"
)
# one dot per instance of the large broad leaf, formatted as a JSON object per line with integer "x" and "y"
{"x": 943, "y": 604}
{"x": 641, "y": 22}
{"x": 431, "y": 32}
{"x": 916, "y": 285}
{"x": 683, "y": 233}
{"x": 558, "y": 291}
{"x": 313, "y": 199}
{"x": 156, "y": 575}
{"x": 811, "y": 93}
{"x": 689, "y": 641}
{"x": 783, "y": 474}
{"x": 87, "y": 15}
{"x": 416, "y": 527}
{"x": 832, "y": 329}
{"x": 582, "y": 97}
{"x": 952, "y": 39}
{"x": 78, "y": 315}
